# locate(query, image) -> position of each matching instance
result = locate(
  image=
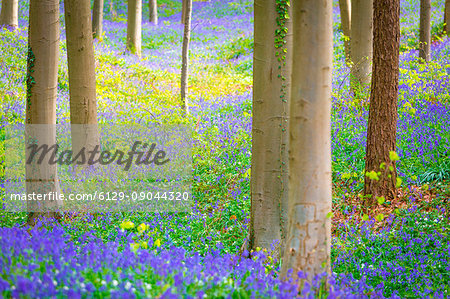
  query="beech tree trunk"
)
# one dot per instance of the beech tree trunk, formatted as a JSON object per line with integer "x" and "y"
{"x": 9, "y": 15}
{"x": 382, "y": 124}
{"x": 112, "y": 11}
{"x": 361, "y": 43}
{"x": 269, "y": 174}
{"x": 183, "y": 11}
{"x": 185, "y": 58}
{"x": 81, "y": 65}
{"x": 153, "y": 11}
{"x": 447, "y": 16}
{"x": 97, "y": 19}
{"x": 134, "y": 25}
{"x": 40, "y": 119}
{"x": 425, "y": 30}
{"x": 346, "y": 16}
{"x": 309, "y": 233}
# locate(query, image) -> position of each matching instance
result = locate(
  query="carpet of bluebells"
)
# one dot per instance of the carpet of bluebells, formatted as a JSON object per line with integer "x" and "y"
{"x": 406, "y": 253}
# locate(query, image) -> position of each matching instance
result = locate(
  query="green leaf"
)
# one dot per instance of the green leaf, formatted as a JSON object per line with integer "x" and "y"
{"x": 372, "y": 175}
{"x": 398, "y": 182}
{"x": 393, "y": 156}
{"x": 379, "y": 217}
{"x": 381, "y": 200}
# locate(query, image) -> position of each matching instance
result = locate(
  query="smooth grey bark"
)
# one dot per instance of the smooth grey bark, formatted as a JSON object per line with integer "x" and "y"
{"x": 40, "y": 118}
{"x": 346, "y": 16}
{"x": 183, "y": 11}
{"x": 153, "y": 11}
{"x": 361, "y": 37}
{"x": 134, "y": 26}
{"x": 185, "y": 58}
{"x": 425, "y": 30}
{"x": 81, "y": 66}
{"x": 9, "y": 15}
{"x": 97, "y": 19}
{"x": 270, "y": 134}
{"x": 309, "y": 229}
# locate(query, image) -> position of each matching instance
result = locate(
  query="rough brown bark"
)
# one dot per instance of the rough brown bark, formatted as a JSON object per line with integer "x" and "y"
{"x": 309, "y": 231}
{"x": 382, "y": 124}
{"x": 447, "y": 16}
{"x": 134, "y": 25}
{"x": 10, "y": 13}
{"x": 425, "y": 30}
{"x": 153, "y": 11}
{"x": 269, "y": 179}
{"x": 185, "y": 58}
{"x": 97, "y": 19}
{"x": 346, "y": 15}
{"x": 81, "y": 65}
{"x": 361, "y": 43}
{"x": 42, "y": 83}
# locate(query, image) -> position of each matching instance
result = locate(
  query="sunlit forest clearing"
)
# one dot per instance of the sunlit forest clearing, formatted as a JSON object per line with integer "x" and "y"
{"x": 398, "y": 248}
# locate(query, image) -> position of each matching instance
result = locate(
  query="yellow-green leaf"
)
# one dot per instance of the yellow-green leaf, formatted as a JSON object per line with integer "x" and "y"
{"x": 393, "y": 156}
{"x": 380, "y": 200}
{"x": 398, "y": 183}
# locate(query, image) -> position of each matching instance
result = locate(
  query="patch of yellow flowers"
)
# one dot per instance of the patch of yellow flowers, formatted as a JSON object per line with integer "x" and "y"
{"x": 141, "y": 228}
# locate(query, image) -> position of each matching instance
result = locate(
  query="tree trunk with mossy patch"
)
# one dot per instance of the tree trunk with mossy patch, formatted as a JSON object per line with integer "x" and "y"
{"x": 134, "y": 27}
{"x": 272, "y": 64}
{"x": 40, "y": 119}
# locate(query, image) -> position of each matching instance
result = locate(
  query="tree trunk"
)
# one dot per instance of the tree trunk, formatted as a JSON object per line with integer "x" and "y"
{"x": 185, "y": 58}
{"x": 97, "y": 19}
{"x": 425, "y": 30}
{"x": 361, "y": 44}
{"x": 447, "y": 16}
{"x": 271, "y": 93}
{"x": 382, "y": 125}
{"x": 153, "y": 11}
{"x": 42, "y": 83}
{"x": 10, "y": 13}
{"x": 112, "y": 11}
{"x": 345, "y": 9}
{"x": 183, "y": 11}
{"x": 134, "y": 23}
{"x": 81, "y": 65}
{"x": 309, "y": 229}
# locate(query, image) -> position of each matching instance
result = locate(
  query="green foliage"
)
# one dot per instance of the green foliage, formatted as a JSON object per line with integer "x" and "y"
{"x": 381, "y": 251}
{"x": 235, "y": 48}
{"x": 221, "y": 9}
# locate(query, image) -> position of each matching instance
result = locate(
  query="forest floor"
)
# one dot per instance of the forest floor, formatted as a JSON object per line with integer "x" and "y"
{"x": 401, "y": 250}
